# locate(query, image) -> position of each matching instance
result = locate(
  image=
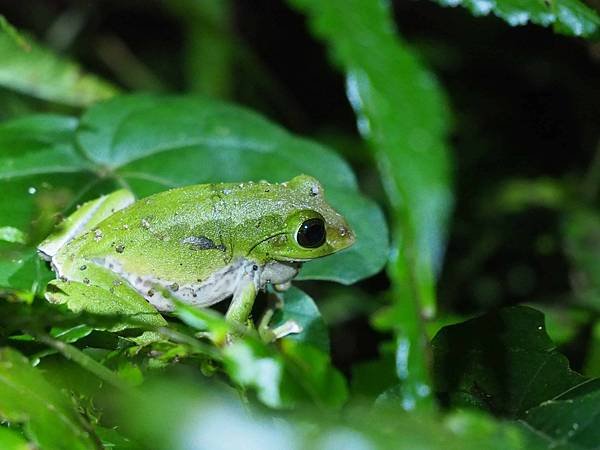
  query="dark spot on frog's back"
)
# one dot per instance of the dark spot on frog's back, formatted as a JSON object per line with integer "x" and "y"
{"x": 202, "y": 243}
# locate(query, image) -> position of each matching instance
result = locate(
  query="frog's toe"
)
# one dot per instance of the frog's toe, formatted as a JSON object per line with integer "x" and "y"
{"x": 280, "y": 287}
{"x": 272, "y": 334}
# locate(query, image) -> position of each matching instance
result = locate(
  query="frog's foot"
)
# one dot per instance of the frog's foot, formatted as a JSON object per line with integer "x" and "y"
{"x": 268, "y": 334}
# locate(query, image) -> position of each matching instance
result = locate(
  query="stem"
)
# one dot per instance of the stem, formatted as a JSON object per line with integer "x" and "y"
{"x": 72, "y": 353}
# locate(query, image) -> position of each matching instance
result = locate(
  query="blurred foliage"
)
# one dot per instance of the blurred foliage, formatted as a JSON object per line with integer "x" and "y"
{"x": 473, "y": 140}
{"x": 571, "y": 17}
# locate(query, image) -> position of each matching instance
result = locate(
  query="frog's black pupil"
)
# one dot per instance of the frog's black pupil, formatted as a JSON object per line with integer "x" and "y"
{"x": 311, "y": 233}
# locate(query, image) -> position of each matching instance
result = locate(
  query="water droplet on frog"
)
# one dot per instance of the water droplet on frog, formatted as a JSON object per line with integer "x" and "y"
{"x": 126, "y": 227}
{"x": 120, "y": 248}
{"x": 32, "y": 190}
{"x": 145, "y": 224}
{"x": 174, "y": 287}
{"x": 150, "y": 292}
{"x": 86, "y": 281}
{"x": 98, "y": 234}
{"x": 117, "y": 283}
{"x": 83, "y": 267}
{"x": 226, "y": 191}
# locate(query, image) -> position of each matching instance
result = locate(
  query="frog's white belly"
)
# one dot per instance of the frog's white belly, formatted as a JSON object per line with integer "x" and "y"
{"x": 219, "y": 286}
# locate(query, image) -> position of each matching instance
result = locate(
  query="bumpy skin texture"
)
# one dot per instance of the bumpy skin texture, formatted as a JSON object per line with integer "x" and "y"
{"x": 200, "y": 243}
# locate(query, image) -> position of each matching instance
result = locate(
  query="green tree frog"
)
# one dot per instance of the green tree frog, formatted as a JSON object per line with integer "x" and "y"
{"x": 198, "y": 244}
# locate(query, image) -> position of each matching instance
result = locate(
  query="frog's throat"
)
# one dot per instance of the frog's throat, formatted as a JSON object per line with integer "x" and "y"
{"x": 216, "y": 288}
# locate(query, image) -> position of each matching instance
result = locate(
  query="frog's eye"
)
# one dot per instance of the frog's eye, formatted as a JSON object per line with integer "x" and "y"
{"x": 311, "y": 233}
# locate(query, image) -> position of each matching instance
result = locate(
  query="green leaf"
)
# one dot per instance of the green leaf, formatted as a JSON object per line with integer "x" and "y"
{"x": 48, "y": 417}
{"x": 21, "y": 268}
{"x": 569, "y": 422}
{"x": 198, "y": 141}
{"x": 570, "y": 17}
{"x": 301, "y": 308}
{"x": 12, "y": 440}
{"x": 36, "y": 71}
{"x": 401, "y": 112}
{"x": 35, "y": 154}
{"x": 503, "y": 362}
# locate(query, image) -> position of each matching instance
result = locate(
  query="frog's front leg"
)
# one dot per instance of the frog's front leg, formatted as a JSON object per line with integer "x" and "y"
{"x": 241, "y": 307}
{"x": 241, "y": 304}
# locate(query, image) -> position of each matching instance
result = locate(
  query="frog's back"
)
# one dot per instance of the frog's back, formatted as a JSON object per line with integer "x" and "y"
{"x": 173, "y": 234}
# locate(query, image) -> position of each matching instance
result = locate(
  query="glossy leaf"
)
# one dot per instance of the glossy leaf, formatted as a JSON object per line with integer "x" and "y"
{"x": 571, "y": 17}
{"x": 301, "y": 308}
{"x": 198, "y": 141}
{"x": 38, "y": 72}
{"x": 48, "y": 416}
{"x": 503, "y": 362}
{"x": 401, "y": 112}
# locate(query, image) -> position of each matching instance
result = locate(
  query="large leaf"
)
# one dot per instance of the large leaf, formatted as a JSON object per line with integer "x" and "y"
{"x": 402, "y": 113}
{"x": 36, "y": 71}
{"x": 503, "y": 361}
{"x": 35, "y": 154}
{"x": 50, "y": 163}
{"x": 571, "y": 17}
{"x": 48, "y": 416}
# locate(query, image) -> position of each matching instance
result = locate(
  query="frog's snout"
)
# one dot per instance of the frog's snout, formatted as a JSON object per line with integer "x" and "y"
{"x": 344, "y": 237}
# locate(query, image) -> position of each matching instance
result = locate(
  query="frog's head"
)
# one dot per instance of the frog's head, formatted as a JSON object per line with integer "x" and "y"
{"x": 311, "y": 227}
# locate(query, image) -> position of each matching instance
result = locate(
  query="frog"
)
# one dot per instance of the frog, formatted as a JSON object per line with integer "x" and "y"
{"x": 198, "y": 244}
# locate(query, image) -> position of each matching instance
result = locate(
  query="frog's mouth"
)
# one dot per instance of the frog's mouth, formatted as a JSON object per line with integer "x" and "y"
{"x": 274, "y": 255}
